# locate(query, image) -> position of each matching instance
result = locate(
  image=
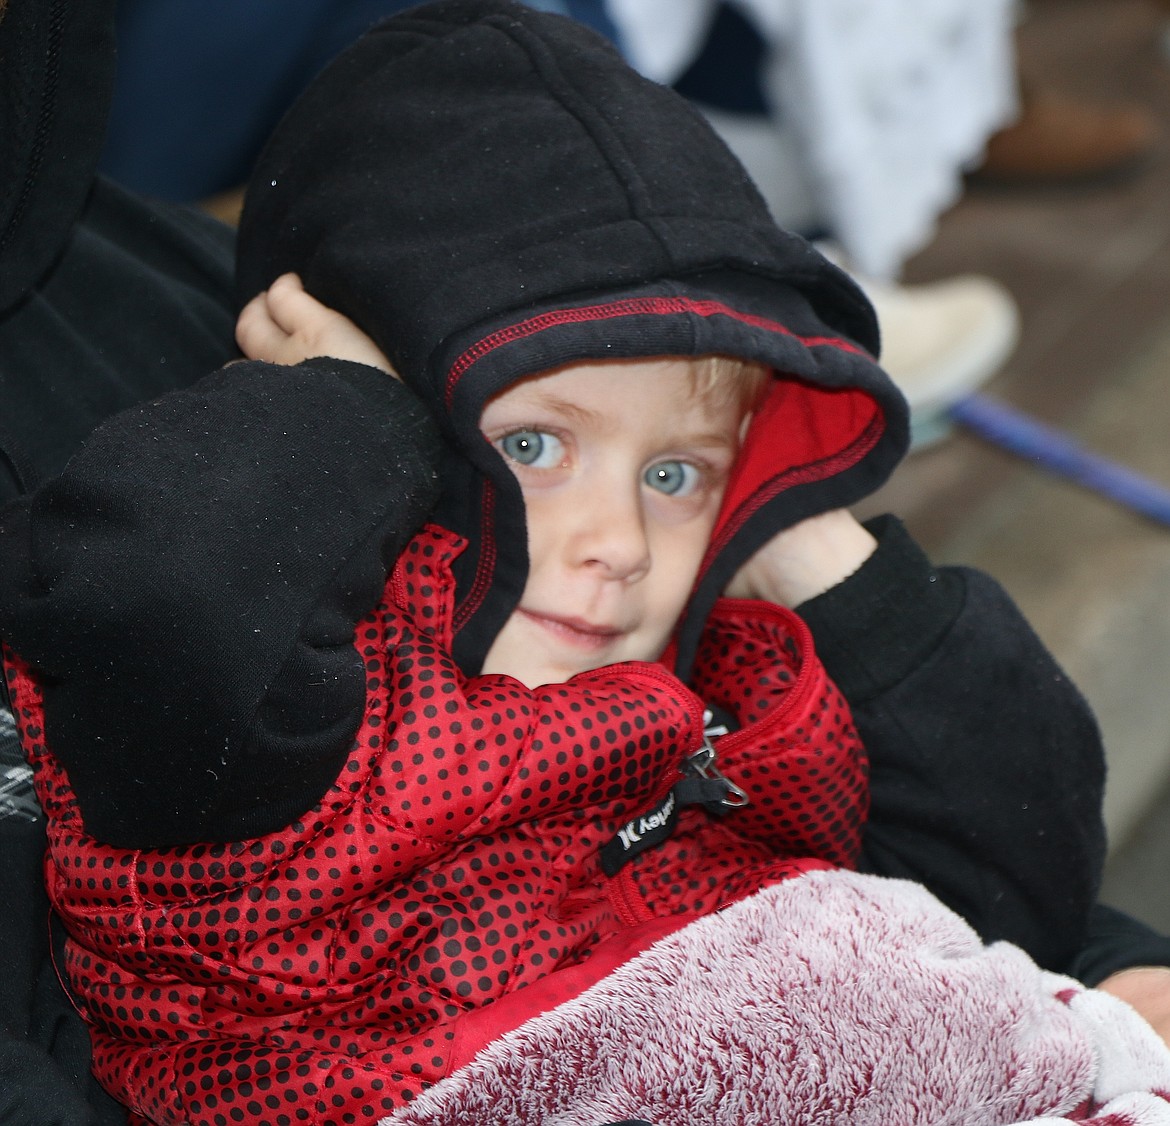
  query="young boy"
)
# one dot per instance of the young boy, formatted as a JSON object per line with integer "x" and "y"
{"x": 309, "y": 854}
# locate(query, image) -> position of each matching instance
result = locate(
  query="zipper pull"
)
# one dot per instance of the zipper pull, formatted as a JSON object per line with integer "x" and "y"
{"x": 701, "y": 764}
{"x": 702, "y": 783}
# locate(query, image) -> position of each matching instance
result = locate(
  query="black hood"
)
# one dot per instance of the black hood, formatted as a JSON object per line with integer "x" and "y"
{"x": 56, "y": 80}
{"x": 490, "y": 192}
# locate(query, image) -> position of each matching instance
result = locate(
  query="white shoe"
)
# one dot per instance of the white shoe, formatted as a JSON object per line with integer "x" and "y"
{"x": 941, "y": 342}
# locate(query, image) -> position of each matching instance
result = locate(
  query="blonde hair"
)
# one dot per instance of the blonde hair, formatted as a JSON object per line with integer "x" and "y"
{"x": 723, "y": 379}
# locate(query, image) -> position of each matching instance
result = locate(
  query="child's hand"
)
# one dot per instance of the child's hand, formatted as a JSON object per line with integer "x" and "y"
{"x": 284, "y": 325}
{"x": 805, "y": 560}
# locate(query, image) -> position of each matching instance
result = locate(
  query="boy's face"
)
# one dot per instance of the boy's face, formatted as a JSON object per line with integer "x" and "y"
{"x": 622, "y": 466}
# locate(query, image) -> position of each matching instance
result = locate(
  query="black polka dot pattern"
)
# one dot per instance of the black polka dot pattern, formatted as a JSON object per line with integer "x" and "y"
{"x": 797, "y": 752}
{"x": 316, "y": 975}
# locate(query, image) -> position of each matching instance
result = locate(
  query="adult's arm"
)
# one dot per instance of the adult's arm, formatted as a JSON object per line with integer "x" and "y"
{"x": 1131, "y": 960}
{"x": 188, "y": 589}
{"x": 986, "y": 763}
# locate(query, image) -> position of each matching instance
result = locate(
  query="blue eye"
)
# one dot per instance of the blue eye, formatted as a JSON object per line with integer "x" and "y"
{"x": 674, "y": 478}
{"x": 533, "y": 448}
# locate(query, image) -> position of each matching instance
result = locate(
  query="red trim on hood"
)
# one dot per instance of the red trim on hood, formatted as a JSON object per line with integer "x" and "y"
{"x": 632, "y": 307}
{"x": 800, "y": 433}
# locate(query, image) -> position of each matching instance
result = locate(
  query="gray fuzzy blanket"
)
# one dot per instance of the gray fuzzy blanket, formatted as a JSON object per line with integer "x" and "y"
{"x": 834, "y": 998}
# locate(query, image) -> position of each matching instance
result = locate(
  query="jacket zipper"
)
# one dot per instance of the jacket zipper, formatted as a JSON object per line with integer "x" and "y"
{"x": 628, "y": 902}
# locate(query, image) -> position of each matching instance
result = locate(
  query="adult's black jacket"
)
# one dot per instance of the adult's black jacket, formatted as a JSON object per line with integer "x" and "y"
{"x": 105, "y": 299}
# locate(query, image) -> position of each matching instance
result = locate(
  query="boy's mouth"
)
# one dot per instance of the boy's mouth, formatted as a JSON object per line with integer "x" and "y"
{"x": 576, "y": 631}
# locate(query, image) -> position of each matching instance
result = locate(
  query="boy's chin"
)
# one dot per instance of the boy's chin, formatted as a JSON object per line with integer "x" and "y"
{"x": 535, "y": 674}
{"x": 535, "y": 653}
{"x": 533, "y": 669}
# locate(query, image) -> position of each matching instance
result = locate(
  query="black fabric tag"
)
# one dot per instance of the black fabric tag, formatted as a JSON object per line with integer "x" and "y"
{"x": 700, "y": 784}
{"x": 641, "y": 833}
{"x": 650, "y": 829}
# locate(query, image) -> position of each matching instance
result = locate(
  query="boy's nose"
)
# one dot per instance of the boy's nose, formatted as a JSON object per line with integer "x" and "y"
{"x": 610, "y": 536}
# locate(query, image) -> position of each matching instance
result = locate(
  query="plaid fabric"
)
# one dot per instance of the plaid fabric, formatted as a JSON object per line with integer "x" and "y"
{"x": 17, "y": 799}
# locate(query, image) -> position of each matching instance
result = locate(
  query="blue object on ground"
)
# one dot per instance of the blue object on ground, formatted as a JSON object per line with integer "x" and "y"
{"x": 1055, "y": 451}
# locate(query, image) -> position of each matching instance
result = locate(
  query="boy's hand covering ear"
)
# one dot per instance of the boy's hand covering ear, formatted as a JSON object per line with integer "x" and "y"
{"x": 804, "y": 560}
{"x": 285, "y": 325}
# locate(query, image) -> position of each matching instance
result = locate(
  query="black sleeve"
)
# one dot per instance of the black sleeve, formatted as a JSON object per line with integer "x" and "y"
{"x": 986, "y": 763}
{"x": 188, "y": 589}
{"x": 1117, "y": 941}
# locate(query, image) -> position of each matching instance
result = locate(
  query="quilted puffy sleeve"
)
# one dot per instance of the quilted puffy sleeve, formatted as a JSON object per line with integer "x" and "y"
{"x": 187, "y": 591}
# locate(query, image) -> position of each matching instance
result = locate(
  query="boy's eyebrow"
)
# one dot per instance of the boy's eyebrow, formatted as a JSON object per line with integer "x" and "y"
{"x": 577, "y": 413}
{"x": 551, "y": 402}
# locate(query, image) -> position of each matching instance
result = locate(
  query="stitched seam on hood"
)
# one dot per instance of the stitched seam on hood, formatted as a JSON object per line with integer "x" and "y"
{"x": 605, "y": 139}
{"x": 631, "y": 307}
{"x": 44, "y": 121}
{"x": 485, "y": 567}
